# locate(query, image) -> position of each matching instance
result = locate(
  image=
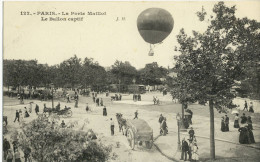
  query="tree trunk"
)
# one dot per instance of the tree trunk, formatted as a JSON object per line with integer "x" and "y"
{"x": 212, "y": 129}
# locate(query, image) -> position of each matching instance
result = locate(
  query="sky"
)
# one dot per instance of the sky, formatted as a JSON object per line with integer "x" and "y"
{"x": 100, "y": 37}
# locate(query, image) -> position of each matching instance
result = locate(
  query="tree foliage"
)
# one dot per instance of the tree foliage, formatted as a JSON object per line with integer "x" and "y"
{"x": 124, "y": 72}
{"x": 152, "y": 73}
{"x": 49, "y": 142}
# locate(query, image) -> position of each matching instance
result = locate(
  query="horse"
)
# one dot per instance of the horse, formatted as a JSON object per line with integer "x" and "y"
{"x": 121, "y": 122}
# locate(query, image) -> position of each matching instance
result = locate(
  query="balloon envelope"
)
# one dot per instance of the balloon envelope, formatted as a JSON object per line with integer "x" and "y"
{"x": 154, "y": 25}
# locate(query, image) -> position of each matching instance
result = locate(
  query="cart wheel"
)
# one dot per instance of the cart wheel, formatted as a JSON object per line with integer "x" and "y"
{"x": 149, "y": 144}
{"x": 130, "y": 138}
{"x": 69, "y": 113}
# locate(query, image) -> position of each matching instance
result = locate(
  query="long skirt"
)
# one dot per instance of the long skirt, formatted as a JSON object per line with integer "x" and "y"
{"x": 227, "y": 127}
{"x": 243, "y": 137}
{"x": 195, "y": 156}
{"x": 236, "y": 124}
{"x": 251, "y": 136}
{"x": 223, "y": 127}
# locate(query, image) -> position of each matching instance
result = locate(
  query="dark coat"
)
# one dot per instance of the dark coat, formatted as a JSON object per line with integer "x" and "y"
{"x": 36, "y": 108}
{"x": 223, "y": 126}
{"x": 184, "y": 145}
{"x": 227, "y": 120}
{"x": 164, "y": 125}
{"x": 191, "y": 132}
{"x": 160, "y": 119}
{"x": 104, "y": 111}
{"x": 6, "y": 145}
{"x": 243, "y": 119}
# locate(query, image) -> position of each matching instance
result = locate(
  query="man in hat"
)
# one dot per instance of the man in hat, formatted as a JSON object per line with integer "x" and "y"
{"x": 36, "y": 109}
{"x": 191, "y": 133}
{"x": 136, "y": 115}
{"x": 87, "y": 108}
{"x": 112, "y": 126}
{"x": 104, "y": 111}
{"x": 164, "y": 127}
{"x": 245, "y": 106}
{"x": 17, "y": 116}
{"x": 161, "y": 119}
{"x": 184, "y": 149}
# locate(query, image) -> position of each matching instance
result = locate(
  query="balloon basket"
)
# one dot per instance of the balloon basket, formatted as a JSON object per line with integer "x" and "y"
{"x": 151, "y": 53}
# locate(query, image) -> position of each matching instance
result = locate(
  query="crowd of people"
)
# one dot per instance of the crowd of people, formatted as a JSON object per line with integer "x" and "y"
{"x": 246, "y": 135}
{"x": 98, "y": 101}
{"x": 244, "y": 126}
{"x": 189, "y": 147}
{"x": 19, "y": 115}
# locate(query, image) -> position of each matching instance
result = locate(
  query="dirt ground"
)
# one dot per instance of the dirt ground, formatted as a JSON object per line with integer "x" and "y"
{"x": 227, "y": 146}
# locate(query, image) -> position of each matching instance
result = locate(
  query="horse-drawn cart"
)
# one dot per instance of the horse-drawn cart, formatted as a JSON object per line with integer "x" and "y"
{"x": 139, "y": 132}
{"x": 66, "y": 112}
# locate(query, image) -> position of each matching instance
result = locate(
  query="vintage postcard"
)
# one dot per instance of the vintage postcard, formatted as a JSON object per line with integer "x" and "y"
{"x": 131, "y": 81}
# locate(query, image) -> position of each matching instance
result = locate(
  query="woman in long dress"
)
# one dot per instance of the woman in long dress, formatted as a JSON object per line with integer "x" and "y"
{"x": 236, "y": 123}
{"x": 21, "y": 115}
{"x": 195, "y": 154}
{"x": 249, "y": 122}
{"x": 250, "y": 136}
{"x": 222, "y": 124}
{"x": 244, "y": 135}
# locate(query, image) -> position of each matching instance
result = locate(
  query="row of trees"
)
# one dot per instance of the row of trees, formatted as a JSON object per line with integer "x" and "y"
{"x": 212, "y": 62}
{"x": 75, "y": 73}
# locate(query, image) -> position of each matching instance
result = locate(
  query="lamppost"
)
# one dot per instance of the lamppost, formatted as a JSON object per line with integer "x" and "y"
{"x": 178, "y": 117}
{"x": 52, "y": 87}
{"x": 119, "y": 85}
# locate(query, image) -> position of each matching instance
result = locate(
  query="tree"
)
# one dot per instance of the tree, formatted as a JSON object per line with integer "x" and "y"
{"x": 210, "y": 62}
{"x": 49, "y": 142}
{"x": 71, "y": 71}
{"x": 93, "y": 74}
{"x": 21, "y": 73}
{"x": 124, "y": 72}
{"x": 152, "y": 73}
